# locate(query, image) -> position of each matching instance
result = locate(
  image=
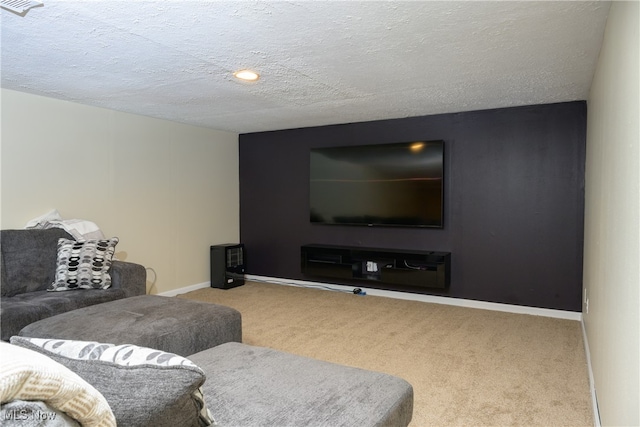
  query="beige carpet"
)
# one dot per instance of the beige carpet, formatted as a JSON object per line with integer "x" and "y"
{"x": 468, "y": 367}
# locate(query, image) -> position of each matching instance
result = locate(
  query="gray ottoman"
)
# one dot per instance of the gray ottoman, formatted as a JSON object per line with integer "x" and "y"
{"x": 173, "y": 325}
{"x": 255, "y": 386}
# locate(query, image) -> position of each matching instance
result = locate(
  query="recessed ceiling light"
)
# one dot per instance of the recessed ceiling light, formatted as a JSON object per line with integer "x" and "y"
{"x": 247, "y": 75}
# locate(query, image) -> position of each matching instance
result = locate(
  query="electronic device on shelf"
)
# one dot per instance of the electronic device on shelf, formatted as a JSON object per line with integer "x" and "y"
{"x": 413, "y": 268}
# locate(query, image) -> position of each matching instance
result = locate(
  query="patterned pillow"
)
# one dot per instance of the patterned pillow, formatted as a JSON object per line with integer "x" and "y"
{"x": 28, "y": 376}
{"x": 143, "y": 386}
{"x": 83, "y": 264}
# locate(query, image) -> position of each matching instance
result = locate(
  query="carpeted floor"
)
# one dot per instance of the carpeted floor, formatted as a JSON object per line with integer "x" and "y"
{"x": 468, "y": 367}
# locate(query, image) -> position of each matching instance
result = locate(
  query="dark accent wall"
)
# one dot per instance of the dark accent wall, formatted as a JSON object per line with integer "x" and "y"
{"x": 514, "y": 201}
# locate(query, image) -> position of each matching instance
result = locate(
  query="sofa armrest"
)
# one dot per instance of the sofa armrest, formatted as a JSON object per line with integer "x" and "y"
{"x": 130, "y": 277}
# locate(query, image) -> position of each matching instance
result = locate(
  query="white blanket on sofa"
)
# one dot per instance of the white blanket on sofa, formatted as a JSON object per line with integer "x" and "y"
{"x": 80, "y": 229}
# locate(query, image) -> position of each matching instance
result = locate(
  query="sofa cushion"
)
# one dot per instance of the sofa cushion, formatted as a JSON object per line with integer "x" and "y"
{"x": 143, "y": 386}
{"x": 175, "y": 325}
{"x": 84, "y": 264}
{"x": 23, "y": 309}
{"x": 28, "y": 259}
{"x": 27, "y": 375}
{"x": 255, "y": 386}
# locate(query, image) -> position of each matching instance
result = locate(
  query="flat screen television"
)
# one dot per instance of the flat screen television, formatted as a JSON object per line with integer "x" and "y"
{"x": 395, "y": 185}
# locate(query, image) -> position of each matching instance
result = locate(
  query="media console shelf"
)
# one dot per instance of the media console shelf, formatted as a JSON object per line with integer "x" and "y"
{"x": 424, "y": 269}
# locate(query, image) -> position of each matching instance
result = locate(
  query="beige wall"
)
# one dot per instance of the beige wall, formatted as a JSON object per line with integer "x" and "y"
{"x": 612, "y": 233}
{"x": 167, "y": 190}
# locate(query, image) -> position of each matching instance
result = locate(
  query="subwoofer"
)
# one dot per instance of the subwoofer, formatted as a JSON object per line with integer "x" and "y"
{"x": 228, "y": 263}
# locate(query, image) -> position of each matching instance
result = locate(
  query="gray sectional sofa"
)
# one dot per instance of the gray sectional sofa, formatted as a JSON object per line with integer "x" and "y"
{"x": 28, "y": 266}
{"x": 159, "y": 361}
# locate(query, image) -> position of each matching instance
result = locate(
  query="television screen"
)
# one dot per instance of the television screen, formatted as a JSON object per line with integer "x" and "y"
{"x": 399, "y": 184}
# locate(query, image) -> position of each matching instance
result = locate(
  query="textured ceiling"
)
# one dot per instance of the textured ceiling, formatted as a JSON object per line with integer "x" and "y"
{"x": 321, "y": 62}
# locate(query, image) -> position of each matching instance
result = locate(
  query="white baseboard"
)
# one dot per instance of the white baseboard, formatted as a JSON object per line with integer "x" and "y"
{"x": 592, "y": 383}
{"x": 184, "y": 290}
{"x": 459, "y": 302}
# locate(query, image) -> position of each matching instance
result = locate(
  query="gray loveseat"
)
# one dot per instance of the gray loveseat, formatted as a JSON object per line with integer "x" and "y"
{"x": 28, "y": 265}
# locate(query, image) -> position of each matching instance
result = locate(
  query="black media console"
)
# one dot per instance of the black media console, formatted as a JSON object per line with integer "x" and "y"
{"x": 423, "y": 269}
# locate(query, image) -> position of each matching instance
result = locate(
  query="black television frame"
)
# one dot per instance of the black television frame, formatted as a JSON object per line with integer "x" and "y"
{"x": 345, "y": 150}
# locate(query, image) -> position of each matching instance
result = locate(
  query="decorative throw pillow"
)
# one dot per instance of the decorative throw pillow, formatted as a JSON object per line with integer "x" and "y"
{"x": 144, "y": 386}
{"x": 26, "y": 375}
{"x": 83, "y": 264}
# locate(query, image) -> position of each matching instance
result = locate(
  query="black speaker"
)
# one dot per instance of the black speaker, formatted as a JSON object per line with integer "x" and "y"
{"x": 227, "y": 265}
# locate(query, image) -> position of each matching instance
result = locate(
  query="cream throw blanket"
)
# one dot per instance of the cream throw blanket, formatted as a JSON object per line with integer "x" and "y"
{"x": 27, "y": 375}
{"x": 80, "y": 229}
